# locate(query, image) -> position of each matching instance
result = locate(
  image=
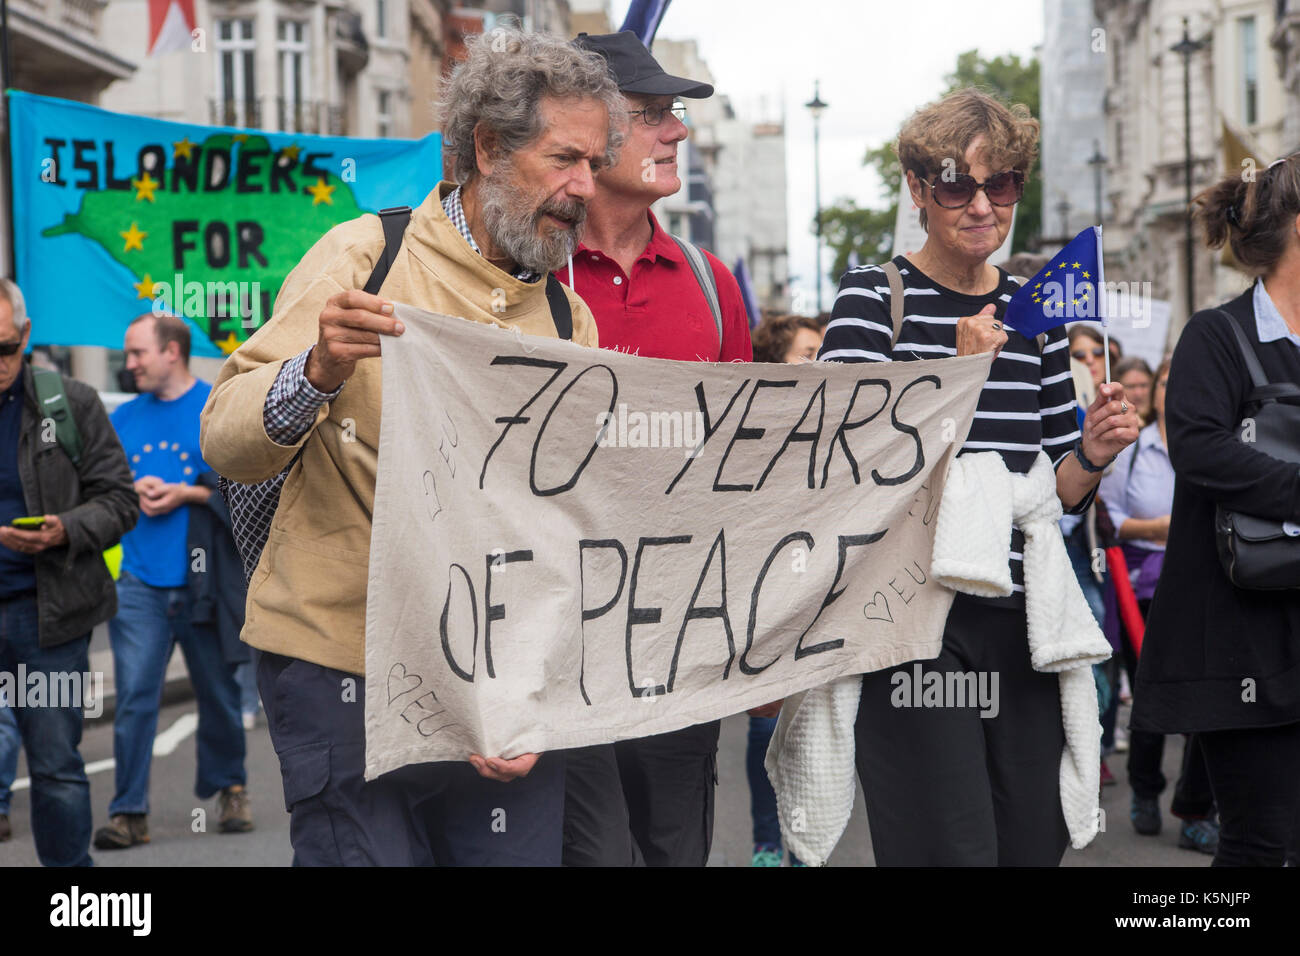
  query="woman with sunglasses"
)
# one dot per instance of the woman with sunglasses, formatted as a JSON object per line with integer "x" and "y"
{"x": 945, "y": 786}
{"x": 1217, "y": 660}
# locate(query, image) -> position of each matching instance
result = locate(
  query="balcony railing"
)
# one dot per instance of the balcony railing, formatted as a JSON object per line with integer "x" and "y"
{"x": 305, "y": 116}
{"x": 232, "y": 113}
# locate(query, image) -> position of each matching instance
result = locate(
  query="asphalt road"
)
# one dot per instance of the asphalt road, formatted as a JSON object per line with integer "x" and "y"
{"x": 177, "y": 839}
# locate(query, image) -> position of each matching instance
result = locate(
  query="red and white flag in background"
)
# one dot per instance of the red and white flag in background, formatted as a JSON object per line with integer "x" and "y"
{"x": 170, "y": 25}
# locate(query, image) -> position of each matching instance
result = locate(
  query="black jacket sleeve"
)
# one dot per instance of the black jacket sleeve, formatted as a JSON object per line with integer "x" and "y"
{"x": 1208, "y": 384}
{"x": 109, "y": 506}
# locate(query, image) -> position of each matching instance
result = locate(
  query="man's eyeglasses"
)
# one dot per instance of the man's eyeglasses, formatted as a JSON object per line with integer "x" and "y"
{"x": 654, "y": 114}
{"x": 1081, "y": 355}
{"x": 1004, "y": 189}
{"x": 9, "y": 348}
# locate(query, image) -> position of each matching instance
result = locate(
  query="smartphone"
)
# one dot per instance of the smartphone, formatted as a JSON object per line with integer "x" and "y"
{"x": 32, "y": 524}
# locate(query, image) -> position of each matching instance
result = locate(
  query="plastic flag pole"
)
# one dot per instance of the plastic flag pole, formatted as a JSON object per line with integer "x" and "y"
{"x": 1101, "y": 301}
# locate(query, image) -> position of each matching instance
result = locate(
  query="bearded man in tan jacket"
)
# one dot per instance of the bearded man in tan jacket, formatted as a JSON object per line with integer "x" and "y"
{"x": 528, "y": 122}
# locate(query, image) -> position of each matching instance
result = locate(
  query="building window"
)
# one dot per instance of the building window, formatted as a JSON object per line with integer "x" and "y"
{"x": 381, "y": 18}
{"x": 1119, "y": 141}
{"x": 384, "y": 115}
{"x": 291, "y": 48}
{"x": 236, "y": 76}
{"x": 1249, "y": 71}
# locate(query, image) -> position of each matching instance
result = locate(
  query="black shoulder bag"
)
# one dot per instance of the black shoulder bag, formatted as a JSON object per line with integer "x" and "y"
{"x": 1263, "y": 553}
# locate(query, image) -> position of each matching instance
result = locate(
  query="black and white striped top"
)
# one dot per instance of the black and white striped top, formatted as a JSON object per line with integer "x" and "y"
{"x": 1026, "y": 405}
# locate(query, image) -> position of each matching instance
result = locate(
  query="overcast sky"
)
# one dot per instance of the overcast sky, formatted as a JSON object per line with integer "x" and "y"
{"x": 877, "y": 62}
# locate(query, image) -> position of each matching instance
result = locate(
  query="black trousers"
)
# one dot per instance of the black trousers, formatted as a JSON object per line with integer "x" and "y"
{"x": 649, "y": 800}
{"x": 1193, "y": 797}
{"x": 947, "y": 787}
{"x": 1256, "y": 778}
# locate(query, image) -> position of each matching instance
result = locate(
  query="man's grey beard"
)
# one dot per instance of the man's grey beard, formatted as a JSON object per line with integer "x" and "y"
{"x": 514, "y": 227}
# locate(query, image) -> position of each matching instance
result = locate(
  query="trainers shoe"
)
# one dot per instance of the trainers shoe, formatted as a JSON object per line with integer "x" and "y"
{"x": 1145, "y": 814}
{"x": 6, "y": 831}
{"x": 233, "y": 814}
{"x": 1121, "y": 741}
{"x": 1199, "y": 835}
{"x": 250, "y": 720}
{"x": 123, "y": 830}
{"x": 766, "y": 854}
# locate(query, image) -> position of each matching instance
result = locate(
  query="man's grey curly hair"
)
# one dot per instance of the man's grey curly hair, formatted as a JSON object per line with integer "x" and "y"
{"x": 501, "y": 84}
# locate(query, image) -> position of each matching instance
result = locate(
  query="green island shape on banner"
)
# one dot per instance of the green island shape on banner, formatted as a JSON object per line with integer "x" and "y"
{"x": 138, "y": 232}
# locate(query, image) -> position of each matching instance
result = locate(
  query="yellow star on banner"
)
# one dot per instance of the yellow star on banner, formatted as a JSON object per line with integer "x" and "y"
{"x": 1087, "y": 275}
{"x": 1047, "y": 273}
{"x": 134, "y": 238}
{"x": 1074, "y": 301}
{"x": 321, "y": 193}
{"x": 1061, "y": 266}
{"x": 183, "y": 148}
{"x": 291, "y": 151}
{"x": 144, "y": 187}
{"x": 144, "y": 288}
{"x": 1038, "y": 285}
{"x": 239, "y": 138}
{"x": 1076, "y": 265}
{"x": 229, "y": 344}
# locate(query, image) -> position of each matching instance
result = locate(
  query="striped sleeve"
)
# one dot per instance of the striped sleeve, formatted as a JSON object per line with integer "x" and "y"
{"x": 1058, "y": 407}
{"x": 860, "y": 329}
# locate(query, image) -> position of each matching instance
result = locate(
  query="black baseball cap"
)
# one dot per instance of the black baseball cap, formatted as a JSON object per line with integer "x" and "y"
{"x": 635, "y": 70}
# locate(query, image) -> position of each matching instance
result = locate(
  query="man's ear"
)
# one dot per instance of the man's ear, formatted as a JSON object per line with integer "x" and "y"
{"x": 485, "y": 149}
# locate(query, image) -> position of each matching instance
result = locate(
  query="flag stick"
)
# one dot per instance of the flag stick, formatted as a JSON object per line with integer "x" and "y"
{"x": 1101, "y": 302}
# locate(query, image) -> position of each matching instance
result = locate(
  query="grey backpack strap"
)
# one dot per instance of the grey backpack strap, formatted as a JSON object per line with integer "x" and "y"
{"x": 895, "y": 297}
{"x": 704, "y": 276}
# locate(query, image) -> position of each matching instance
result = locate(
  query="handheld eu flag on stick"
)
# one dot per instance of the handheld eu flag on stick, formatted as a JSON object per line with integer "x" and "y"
{"x": 1071, "y": 287}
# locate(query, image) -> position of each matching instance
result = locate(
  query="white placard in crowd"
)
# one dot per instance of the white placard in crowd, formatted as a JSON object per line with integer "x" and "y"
{"x": 573, "y": 546}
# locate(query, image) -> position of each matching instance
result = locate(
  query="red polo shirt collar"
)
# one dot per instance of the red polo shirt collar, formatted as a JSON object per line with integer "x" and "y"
{"x": 660, "y": 245}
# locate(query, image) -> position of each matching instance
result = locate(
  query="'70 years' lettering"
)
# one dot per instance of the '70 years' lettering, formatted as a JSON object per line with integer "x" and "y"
{"x": 566, "y": 413}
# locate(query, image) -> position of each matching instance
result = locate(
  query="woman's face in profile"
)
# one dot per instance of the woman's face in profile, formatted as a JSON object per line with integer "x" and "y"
{"x": 1137, "y": 388}
{"x": 976, "y": 230}
{"x": 803, "y": 347}
{"x": 1090, "y": 352}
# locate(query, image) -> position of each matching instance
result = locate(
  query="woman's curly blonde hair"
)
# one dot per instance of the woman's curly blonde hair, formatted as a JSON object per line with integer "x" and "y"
{"x": 944, "y": 130}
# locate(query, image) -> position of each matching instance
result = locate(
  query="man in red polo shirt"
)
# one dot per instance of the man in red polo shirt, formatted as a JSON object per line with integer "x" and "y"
{"x": 650, "y": 799}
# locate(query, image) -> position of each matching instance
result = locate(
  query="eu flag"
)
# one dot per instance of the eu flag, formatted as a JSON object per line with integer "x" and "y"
{"x": 643, "y": 18}
{"x": 1067, "y": 289}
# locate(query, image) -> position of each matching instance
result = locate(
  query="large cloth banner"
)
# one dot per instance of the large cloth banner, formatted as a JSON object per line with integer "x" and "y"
{"x": 574, "y": 546}
{"x": 115, "y": 215}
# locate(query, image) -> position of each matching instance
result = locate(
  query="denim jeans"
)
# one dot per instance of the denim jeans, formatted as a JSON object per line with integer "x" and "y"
{"x": 149, "y": 622}
{"x": 10, "y": 741}
{"x": 762, "y": 798}
{"x": 61, "y": 819}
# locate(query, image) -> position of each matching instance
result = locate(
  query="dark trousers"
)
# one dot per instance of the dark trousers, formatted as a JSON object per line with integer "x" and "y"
{"x": 423, "y": 814}
{"x": 1256, "y": 778}
{"x": 1193, "y": 797}
{"x": 947, "y": 787}
{"x": 647, "y": 801}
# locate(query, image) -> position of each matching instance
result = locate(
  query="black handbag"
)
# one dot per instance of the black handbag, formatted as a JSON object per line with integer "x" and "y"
{"x": 1263, "y": 553}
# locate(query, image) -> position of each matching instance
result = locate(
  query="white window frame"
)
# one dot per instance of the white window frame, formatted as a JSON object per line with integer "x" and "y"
{"x": 293, "y": 51}
{"x": 384, "y": 113}
{"x": 381, "y": 19}
{"x": 236, "y": 46}
{"x": 1248, "y": 28}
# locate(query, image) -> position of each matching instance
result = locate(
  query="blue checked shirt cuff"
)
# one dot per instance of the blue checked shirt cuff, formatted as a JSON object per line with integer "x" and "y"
{"x": 292, "y": 402}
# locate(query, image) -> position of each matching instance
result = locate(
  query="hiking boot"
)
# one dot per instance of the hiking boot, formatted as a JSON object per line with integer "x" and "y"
{"x": 1145, "y": 814}
{"x": 765, "y": 854}
{"x": 6, "y": 831}
{"x": 233, "y": 814}
{"x": 123, "y": 830}
{"x": 1199, "y": 835}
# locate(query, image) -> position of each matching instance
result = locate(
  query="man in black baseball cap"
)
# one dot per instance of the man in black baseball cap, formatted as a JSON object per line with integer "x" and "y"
{"x": 658, "y": 296}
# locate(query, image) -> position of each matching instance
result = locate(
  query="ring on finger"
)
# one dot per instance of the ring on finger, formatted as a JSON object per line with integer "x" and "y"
{"x": 1123, "y": 407}
{"x": 997, "y": 326}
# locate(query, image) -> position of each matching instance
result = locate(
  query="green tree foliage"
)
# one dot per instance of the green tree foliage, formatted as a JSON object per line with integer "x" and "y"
{"x": 850, "y": 228}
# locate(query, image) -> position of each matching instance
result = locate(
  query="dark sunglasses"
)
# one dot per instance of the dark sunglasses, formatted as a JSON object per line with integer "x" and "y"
{"x": 654, "y": 115}
{"x": 1004, "y": 189}
{"x": 9, "y": 348}
{"x": 1081, "y": 354}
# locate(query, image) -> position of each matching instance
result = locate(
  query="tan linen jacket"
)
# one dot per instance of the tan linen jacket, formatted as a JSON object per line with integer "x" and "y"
{"x": 307, "y": 597}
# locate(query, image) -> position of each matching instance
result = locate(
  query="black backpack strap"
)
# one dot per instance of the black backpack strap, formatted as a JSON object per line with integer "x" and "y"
{"x": 394, "y": 221}
{"x": 53, "y": 404}
{"x": 561, "y": 314}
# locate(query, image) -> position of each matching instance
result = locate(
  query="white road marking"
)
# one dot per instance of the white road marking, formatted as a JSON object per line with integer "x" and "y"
{"x": 164, "y": 745}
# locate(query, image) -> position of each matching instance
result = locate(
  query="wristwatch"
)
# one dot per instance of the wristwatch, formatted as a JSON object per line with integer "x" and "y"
{"x": 1085, "y": 463}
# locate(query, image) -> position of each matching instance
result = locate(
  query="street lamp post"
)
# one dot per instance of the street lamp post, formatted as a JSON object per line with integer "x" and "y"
{"x": 1186, "y": 47}
{"x": 816, "y": 107}
{"x": 1063, "y": 207}
{"x": 1098, "y": 163}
